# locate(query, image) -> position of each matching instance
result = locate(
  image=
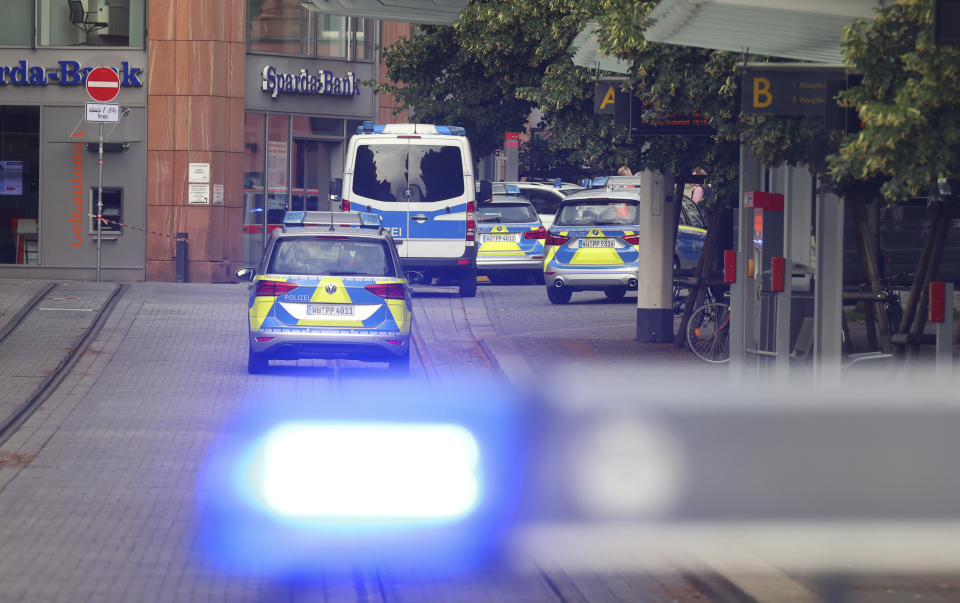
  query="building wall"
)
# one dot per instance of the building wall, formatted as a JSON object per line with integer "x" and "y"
{"x": 195, "y": 70}
{"x": 390, "y": 32}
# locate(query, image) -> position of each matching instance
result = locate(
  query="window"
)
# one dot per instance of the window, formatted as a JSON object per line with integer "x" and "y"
{"x": 506, "y": 213}
{"x": 598, "y": 213}
{"x": 296, "y": 28}
{"x": 17, "y": 23}
{"x": 112, "y": 211}
{"x": 253, "y": 187}
{"x": 20, "y": 184}
{"x": 330, "y": 256}
{"x": 415, "y": 173}
{"x": 90, "y": 22}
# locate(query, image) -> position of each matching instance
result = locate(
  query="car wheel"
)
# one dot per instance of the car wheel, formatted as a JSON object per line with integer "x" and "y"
{"x": 468, "y": 284}
{"x": 256, "y": 362}
{"x": 615, "y": 292}
{"x": 558, "y": 296}
{"x": 401, "y": 366}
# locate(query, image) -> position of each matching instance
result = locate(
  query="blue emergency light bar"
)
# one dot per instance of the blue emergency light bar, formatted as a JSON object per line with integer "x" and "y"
{"x": 369, "y": 127}
{"x": 331, "y": 218}
{"x": 511, "y": 189}
{"x": 599, "y": 182}
{"x": 558, "y": 183}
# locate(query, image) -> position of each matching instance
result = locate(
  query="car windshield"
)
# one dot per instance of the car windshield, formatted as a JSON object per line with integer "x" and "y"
{"x": 506, "y": 212}
{"x": 597, "y": 213}
{"x": 415, "y": 173}
{"x": 330, "y": 256}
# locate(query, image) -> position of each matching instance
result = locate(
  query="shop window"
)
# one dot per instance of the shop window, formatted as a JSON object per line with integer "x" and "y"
{"x": 112, "y": 211}
{"x": 90, "y": 22}
{"x": 254, "y": 156}
{"x": 17, "y": 23}
{"x": 19, "y": 184}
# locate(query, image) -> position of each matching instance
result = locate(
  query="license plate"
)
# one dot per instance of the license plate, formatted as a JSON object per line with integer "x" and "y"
{"x": 500, "y": 238}
{"x": 597, "y": 243}
{"x": 329, "y": 310}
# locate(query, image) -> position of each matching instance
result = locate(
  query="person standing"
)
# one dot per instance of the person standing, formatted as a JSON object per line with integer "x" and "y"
{"x": 624, "y": 171}
{"x": 700, "y": 190}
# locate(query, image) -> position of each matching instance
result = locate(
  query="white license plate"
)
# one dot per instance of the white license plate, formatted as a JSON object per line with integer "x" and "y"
{"x": 500, "y": 238}
{"x": 597, "y": 243}
{"x": 329, "y": 310}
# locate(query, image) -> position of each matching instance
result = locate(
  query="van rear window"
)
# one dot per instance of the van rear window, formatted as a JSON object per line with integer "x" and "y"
{"x": 415, "y": 173}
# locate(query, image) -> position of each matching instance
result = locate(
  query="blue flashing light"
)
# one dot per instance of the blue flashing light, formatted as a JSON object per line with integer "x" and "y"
{"x": 599, "y": 182}
{"x": 558, "y": 182}
{"x": 511, "y": 189}
{"x": 294, "y": 218}
{"x": 369, "y": 470}
{"x": 387, "y": 474}
{"x": 585, "y": 183}
{"x": 366, "y": 128}
{"x": 370, "y": 219}
{"x": 443, "y": 130}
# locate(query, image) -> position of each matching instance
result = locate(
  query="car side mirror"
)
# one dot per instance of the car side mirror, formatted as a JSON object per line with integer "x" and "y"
{"x": 246, "y": 274}
{"x": 486, "y": 191}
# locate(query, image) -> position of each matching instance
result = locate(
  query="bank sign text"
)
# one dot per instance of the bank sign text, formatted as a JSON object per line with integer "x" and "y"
{"x": 325, "y": 82}
{"x": 67, "y": 73}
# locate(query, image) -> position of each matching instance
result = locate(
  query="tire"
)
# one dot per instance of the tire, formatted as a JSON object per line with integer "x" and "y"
{"x": 468, "y": 283}
{"x": 401, "y": 366}
{"x": 615, "y": 292}
{"x": 559, "y": 296}
{"x": 257, "y": 362}
{"x": 708, "y": 333}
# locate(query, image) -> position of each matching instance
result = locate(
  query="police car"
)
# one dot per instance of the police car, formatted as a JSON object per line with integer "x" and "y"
{"x": 592, "y": 244}
{"x": 546, "y": 195}
{"x": 329, "y": 286}
{"x": 511, "y": 236}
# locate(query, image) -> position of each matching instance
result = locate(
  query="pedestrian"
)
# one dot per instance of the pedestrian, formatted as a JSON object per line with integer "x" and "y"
{"x": 700, "y": 190}
{"x": 624, "y": 171}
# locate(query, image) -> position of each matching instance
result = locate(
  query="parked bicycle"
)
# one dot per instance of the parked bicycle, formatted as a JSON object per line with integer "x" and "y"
{"x": 708, "y": 332}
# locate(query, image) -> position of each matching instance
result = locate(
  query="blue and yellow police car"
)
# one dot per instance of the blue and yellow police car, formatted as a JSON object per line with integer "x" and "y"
{"x": 329, "y": 286}
{"x": 592, "y": 243}
{"x": 511, "y": 236}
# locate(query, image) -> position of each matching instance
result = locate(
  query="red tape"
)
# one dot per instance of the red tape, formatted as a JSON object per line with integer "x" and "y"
{"x": 153, "y": 232}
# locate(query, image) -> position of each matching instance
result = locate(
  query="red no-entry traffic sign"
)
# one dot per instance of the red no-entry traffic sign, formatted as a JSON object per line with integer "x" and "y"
{"x": 103, "y": 84}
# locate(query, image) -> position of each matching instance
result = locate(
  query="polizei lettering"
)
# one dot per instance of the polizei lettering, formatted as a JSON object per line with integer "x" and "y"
{"x": 276, "y": 83}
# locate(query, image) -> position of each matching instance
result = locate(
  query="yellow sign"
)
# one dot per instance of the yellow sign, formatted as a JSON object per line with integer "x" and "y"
{"x": 609, "y": 98}
{"x": 761, "y": 93}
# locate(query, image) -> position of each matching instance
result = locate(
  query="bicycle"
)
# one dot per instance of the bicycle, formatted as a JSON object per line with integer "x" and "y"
{"x": 708, "y": 332}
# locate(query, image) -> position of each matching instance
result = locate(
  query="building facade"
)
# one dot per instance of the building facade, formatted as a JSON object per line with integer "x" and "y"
{"x": 231, "y": 111}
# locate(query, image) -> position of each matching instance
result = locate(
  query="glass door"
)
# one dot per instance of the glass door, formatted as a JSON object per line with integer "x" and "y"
{"x": 311, "y": 175}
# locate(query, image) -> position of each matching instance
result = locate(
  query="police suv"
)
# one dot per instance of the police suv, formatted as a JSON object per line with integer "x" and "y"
{"x": 419, "y": 179}
{"x": 329, "y": 286}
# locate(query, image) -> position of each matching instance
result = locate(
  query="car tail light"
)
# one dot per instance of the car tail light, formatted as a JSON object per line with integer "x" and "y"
{"x": 540, "y": 233}
{"x": 344, "y": 205}
{"x": 273, "y": 288}
{"x": 387, "y": 290}
{"x": 633, "y": 239}
{"x": 471, "y": 221}
{"x": 263, "y": 339}
{"x": 555, "y": 239}
{"x": 395, "y": 341}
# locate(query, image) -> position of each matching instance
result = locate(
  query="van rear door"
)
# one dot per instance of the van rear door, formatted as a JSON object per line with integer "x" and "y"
{"x": 379, "y": 185}
{"x": 438, "y": 199}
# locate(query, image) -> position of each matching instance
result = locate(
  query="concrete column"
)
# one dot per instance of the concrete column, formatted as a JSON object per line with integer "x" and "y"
{"x": 655, "y": 274}
{"x": 828, "y": 291}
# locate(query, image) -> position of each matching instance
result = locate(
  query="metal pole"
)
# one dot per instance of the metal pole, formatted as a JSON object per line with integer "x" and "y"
{"x": 99, "y": 196}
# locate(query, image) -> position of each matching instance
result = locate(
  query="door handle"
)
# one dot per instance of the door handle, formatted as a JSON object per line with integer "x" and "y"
{"x": 421, "y": 218}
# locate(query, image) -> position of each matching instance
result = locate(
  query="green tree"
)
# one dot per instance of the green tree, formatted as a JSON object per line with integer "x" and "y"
{"x": 909, "y": 106}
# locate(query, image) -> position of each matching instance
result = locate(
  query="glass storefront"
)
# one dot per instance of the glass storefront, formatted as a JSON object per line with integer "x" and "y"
{"x": 73, "y": 23}
{"x": 19, "y": 184}
{"x": 288, "y": 164}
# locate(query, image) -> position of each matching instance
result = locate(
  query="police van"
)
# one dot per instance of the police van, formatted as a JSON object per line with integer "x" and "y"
{"x": 419, "y": 179}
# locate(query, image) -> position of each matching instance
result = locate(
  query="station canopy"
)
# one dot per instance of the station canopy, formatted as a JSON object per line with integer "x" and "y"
{"x": 811, "y": 30}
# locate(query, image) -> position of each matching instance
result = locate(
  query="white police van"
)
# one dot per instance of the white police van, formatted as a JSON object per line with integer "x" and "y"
{"x": 419, "y": 179}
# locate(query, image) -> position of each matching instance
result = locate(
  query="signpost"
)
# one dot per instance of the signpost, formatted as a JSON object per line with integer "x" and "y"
{"x": 103, "y": 85}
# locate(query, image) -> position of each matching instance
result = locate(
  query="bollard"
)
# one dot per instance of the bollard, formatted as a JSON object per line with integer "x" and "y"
{"x": 182, "y": 248}
{"x": 941, "y": 315}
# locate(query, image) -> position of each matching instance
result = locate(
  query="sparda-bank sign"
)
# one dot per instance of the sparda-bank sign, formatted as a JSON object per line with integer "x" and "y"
{"x": 67, "y": 73}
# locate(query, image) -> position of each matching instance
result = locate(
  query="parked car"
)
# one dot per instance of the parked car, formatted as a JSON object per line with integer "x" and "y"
{"x": 511, "y": 237}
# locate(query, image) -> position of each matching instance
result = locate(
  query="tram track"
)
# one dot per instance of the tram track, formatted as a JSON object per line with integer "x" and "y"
{"x": 15, "y": 415}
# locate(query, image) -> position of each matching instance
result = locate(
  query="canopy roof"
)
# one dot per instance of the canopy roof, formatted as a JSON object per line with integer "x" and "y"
{"x": 425, "y": 12}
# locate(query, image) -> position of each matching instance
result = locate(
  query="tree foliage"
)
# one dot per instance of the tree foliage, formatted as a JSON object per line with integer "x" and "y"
{"x": 908, "y": 102}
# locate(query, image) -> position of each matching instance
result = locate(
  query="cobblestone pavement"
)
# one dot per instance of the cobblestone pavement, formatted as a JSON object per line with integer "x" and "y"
{"x": 98, "y": 488}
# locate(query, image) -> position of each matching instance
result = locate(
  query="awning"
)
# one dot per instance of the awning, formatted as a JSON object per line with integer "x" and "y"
{"x": 423, "y": 12}
{"x": 811, "y": 30}
{"x": 588, "y": 55}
